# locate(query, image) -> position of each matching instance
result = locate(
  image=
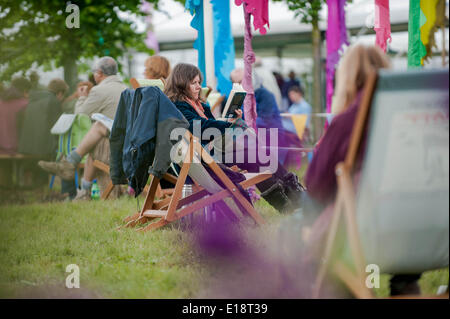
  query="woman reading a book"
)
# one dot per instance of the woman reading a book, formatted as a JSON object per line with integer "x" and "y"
{"x": 183, "y": 88}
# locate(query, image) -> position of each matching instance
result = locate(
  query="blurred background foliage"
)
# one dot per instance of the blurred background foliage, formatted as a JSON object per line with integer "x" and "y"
{"x": 34, "y": 33}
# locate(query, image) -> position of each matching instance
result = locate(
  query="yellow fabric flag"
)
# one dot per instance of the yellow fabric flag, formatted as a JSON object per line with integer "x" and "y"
{"x": 299, "y": 121}
{"x": 431, "y": 18}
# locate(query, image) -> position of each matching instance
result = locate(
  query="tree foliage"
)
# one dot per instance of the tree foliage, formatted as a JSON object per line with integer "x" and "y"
{"x": 33, "y": 31}
{"x": 307, "y": 10}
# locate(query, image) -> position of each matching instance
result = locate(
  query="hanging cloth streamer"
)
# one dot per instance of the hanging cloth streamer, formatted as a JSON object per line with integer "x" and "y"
{"x": 223, "y": 41}
{"x": 434, "y": 13}
{"x": 336, "y": 39}
{"x": 196, "y": 9}
{"x": 382, "y": 24}
{"x": 260, "y": 11}
{"x": 224, "y": 55}
{"x": 425, "y": 16}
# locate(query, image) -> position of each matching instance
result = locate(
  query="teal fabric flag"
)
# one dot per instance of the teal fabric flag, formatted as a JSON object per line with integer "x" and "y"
{"x": 196, "y": 9}
{"x": 224, "y": 54}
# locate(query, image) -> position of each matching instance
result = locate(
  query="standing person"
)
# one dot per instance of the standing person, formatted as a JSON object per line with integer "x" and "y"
{"x": 12, "y": 101}
{"x": 299, "y": 106}
{"x": 292, "y": 81}
{"x": 43, "y": 110}
{"x": 269, "y": 82}
{"x": 282, "y": 190}
{"x": 280, "y": 80}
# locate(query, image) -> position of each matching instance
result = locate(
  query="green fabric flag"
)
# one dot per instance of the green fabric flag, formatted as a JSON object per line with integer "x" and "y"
{"x": 416, "y": 50}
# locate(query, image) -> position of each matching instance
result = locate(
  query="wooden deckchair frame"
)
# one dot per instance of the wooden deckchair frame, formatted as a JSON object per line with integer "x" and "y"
{"x": 345, "y": 208}
{"x": 174, "y": 207}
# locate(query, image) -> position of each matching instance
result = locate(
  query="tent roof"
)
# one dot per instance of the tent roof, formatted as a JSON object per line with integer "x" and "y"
{"x": 285, "y": 28}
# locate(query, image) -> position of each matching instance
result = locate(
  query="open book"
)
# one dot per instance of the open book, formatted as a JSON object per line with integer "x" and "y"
{"x": 235, "y": 101}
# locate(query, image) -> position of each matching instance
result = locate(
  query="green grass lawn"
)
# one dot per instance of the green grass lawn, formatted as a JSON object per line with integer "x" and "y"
{"x": 38, "y": 241}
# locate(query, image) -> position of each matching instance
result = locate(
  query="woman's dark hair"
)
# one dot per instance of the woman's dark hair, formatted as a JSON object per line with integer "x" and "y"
{"x": 177, "y": 87}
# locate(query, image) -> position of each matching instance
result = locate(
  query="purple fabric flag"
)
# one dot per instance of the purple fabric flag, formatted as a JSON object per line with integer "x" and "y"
{"x": 336, "y": 38}
{"x": 249, "y": 58}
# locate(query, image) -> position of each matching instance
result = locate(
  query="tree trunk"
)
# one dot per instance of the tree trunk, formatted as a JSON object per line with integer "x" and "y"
{"x": 317, "y": 81}
{"x": 70, "y": 72}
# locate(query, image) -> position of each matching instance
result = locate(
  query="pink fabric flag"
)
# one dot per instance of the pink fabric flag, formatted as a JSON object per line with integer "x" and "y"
{"x": 336, "y": 39}
{"x": 250, "y": 113}
{"x": 382, "y": 24}
{"x": 260, "y": 11}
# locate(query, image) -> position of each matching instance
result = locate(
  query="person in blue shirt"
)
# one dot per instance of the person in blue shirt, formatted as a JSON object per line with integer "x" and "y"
{"x": 299, "y": 106}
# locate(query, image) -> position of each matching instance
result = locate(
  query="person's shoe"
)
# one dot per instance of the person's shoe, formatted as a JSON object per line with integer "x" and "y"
{"x": 82, "y": 195}
{"x": 63, "y": 169}
{"x": 293, "y": 188}
{"x": 277, "y": 197}
{"x": 405, "y": 285}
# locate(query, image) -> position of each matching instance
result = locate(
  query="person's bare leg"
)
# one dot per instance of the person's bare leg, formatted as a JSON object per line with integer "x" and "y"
{"x": 91, "y": 139}
{"x": 86, "y": 181}
{"x": 66, "y": 167}
{"x": 89, "y": 169}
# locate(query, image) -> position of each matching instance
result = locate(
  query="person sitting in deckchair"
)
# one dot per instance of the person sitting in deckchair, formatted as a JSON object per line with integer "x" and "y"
{"x": 103, "y": 99}
{"x": 183, "y": 88}
{"x": 320, "y": 179}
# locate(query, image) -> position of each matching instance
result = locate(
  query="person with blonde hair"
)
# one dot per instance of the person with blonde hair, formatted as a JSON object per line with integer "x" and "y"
{"x": 353, "y": 71}
{"x": 157, "y": 67}
{"x": 351, "y": 76}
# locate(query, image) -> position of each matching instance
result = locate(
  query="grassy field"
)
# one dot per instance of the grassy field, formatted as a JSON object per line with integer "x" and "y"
{"x": 38, "y": 241}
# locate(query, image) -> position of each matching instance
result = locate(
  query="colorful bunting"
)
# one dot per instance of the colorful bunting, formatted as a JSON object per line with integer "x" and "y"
{"x": 223, "y": 40}
{"x": 196, "y": 9}
{"x": 382, "y": 24}
{"x": 224, "y": 54}
{"x": 425, "y": 16}
{"x": 336, "y": 39}
{"x": 260, "y": 11}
